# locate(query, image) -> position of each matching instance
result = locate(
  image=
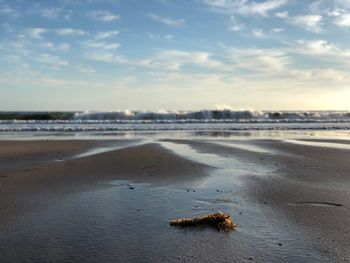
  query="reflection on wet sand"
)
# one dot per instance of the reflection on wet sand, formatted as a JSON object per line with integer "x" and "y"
{"x": 113, "y": 202}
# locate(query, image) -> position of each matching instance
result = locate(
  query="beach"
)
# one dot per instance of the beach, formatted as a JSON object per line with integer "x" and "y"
{"x": 111, "y": 200}
{"x": 174, "y": 131}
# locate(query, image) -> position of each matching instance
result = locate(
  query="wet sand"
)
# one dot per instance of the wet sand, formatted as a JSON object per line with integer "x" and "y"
{"x": 308, "y": 185}
{"x": 290, "y": 201}
{"x": 43, "y": 168}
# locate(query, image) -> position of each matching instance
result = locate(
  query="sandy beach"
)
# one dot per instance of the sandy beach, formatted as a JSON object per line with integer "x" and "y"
{"x": 112, "y": 200}
{"x": 174, "y": 131}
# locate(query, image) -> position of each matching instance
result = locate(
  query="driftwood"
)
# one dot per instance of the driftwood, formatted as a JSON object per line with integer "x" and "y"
{"x": 222, "y": 221}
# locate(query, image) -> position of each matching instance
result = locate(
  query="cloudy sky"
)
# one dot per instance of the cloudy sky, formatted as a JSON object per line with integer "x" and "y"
{"x": 174, "y": 54}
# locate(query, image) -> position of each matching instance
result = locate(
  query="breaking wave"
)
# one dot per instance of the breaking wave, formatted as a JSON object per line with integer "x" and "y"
{"x": 222, "y": 119}
{"x": 202, "y": 116}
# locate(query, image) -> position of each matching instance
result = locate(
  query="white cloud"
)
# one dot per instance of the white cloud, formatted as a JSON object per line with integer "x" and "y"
{"x": 284, "y": 14}
{"x": 70, "y": 31}
{"x": 337, "y": 10}
{"x": 63, "y": 47}
{"x": 313, "y": 23}
{"x": 259, "y": 33}
{"x": 51, "y": 46}
{"x": 52, "y": 60}
{"x": 8, "y": 11}
{"x": 168, "y": 21}
{"x": 328, "y": 74}
{"x": 343, "y": 20}
{"x": 245, "y": 7}
{"x": 101, "y": 57}
{"x": 175, "y": 59}
{"x": 36, "y": 32}
{"x": 322, "y": 49}
{"x": 317, "y": 47}
{"x": 103, "y": 16}
{"x": 166, "y": 60}
{"x": 106, "y": 34}
{"x": 257, "y": 63}
{"x": 87, "y": 70}
{"x": 48, "y": 45}
{"x": 100, "y": 45}
{"x": 277, "y": 30}
{"x": 161, "y": 37}
{"x": 260, "y": 60}
{"x": 235, "y": 28}
{"x": 235, "y": 25}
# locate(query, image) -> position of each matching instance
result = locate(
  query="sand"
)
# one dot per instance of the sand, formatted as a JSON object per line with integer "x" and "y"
{"x": 43, "y": 168}
{"x": 307, "y": 184}
{"x": 302, "y": 191}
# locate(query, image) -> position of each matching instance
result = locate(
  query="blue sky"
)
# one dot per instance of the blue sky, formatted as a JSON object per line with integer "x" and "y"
{"x": 174, "y": 54}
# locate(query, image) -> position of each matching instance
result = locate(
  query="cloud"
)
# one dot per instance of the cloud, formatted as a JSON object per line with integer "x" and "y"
{"x": 322, "y": 49}
{"x": 102, "y": 57}
{"x": 52, "y": 60}
{"x": 106, "y": 34}
{"x": 64, "y": 47}
{"x": 8, "y": 11}
{"x": 175, "y": 59}
{"x": 336, "y": 10}
{"x": 260, "y": 60}
{"x": 70, "y": 31}
{"x": 277, "y": 30}
{"x": 103, "y": 16}
{"x": 48, "y": 45}
{"x": 37, "y": 32}
{"x": 259, "y": 33}
{"x": 100, "y": 45}
{"x": 316, "y": 47}
{"x": 235, "y": 25}
{"x": 284, "y": 14}
{"x": 328, "y": 74}
{"x": 165, "y": 60}
{"x": 343, "y": 20}
{"x": 313, "y": 23}
{"x": 97, "y": 40}
{"x": 245, "y": 7}
{"x": 262, "y": 63}
{"x": 161, "y": 37}
{"x": 87, "y": 70}
{"x": 168, "y": 21}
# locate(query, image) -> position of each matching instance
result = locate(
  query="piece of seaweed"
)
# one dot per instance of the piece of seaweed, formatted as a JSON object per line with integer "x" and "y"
{"x": 222, "y": 221}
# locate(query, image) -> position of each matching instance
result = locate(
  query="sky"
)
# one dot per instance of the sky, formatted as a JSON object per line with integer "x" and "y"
{"x": 174, "y": 54}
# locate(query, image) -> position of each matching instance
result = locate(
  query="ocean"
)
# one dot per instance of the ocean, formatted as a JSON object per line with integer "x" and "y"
{"x": 212, "y": 120}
